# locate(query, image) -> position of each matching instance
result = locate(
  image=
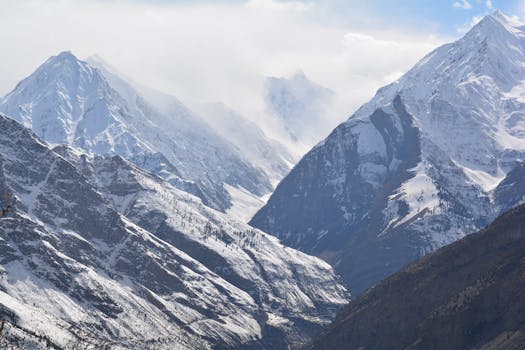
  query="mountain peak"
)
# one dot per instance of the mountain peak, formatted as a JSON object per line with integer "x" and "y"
{"x": 66, "y": 53}
{"x": 63, "y": 56}
{"x": 90, "y": 106}
{"x": 300, "y": 76}
{"x": 501, "y": 17}
{"x": 300, "y": 104}
{"x": 54, "y": 98}
{"x": 498, "y": 14}
{"x": 498, "y": 18}
{"x": 64, "y": 62}
{"x": 66, "y": 67}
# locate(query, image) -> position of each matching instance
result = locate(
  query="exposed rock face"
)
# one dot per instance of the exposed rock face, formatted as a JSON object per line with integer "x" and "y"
{"x": 468, "y": 295}
{"x": 430, "y": 158}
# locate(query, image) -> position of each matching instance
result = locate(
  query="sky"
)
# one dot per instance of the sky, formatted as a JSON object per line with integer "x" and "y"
{"x": 206, "y": 51}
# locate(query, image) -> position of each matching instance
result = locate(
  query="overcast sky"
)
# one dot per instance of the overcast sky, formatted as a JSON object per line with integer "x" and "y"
{"x": 221, "y": 50}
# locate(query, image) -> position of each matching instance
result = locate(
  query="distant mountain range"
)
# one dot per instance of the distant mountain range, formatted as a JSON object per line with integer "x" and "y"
{"x": 432, "y": 157}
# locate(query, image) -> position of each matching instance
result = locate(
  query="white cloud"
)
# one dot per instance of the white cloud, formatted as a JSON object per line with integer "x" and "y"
{"x": 462, "y": 4}
{"x": 268, "y": 5}
{"x": 208, "y": 52}
{"x": 489, "y": 4}
{"x": 358, "y": 37}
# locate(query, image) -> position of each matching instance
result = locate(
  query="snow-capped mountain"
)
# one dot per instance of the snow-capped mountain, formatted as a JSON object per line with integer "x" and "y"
{"x": 69, "y": 101}
{"x": 301, "y": 107}
{"x": 97, "y": 252}
{"x": 430, "y": 158}
{"x": 265, "y": 153}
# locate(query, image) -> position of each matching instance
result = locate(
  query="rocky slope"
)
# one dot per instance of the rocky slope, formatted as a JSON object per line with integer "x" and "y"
{"x": 95, "y": 251}
{"x": 468, "y": 295}
{"x": 430, "y": 158}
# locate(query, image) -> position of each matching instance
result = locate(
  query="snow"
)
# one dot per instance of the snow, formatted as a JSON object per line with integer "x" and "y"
{"x": 511, "y": 23}
{"x": 276, "y": 320}
{"x": 419, "y": 192}
{"x": 244, "y": 204}
{"x": 187, "y": 214}
{"x": 467, "y": 99}
{"x": 485, "y": 180}
{"x": 471, "y": 121}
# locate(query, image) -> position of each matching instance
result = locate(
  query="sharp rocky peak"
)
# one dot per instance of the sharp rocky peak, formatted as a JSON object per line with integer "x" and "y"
{"x": 497, "y": 24}
{"x": 66, "y": 62}
{"x": 64, "y": 56}
{"x": 503, "y": 18}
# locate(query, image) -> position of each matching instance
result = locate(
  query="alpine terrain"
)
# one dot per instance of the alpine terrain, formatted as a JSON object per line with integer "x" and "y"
{"x": 432, "y": 157}
{"x": 98, "y": 253}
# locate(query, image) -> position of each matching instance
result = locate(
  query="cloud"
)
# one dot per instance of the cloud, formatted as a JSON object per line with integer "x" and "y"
{"x": 462, "y": 4}
{"x": 265, "y": 5}
{"x": 489, "y": 5}
{"x": 209, "y": 52}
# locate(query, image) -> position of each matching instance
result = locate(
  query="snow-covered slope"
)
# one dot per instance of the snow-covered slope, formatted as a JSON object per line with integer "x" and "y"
{"x": 69, "y": 101}
{"x": 426, "y": 161}
{"x": 301, "y": 107}
{"x": 97, "y": 251}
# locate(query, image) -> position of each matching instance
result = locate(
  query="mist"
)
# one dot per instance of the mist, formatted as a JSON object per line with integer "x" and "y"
{"x": 210, "y": 52}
